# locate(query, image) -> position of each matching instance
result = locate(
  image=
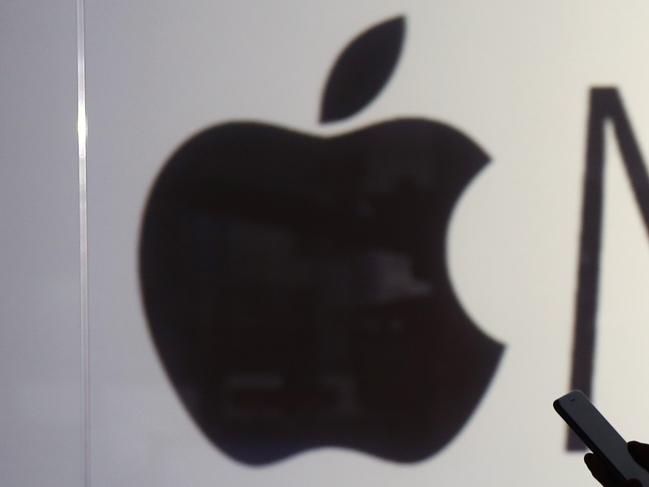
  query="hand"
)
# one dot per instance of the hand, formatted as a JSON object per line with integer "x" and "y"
{"x": 602, "y": 472}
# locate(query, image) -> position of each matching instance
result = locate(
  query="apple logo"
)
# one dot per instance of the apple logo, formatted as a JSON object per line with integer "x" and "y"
{"x": 296, "y": 286}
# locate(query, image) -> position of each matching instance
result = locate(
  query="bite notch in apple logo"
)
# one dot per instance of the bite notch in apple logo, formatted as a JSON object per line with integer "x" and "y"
{"x": 296, "y": 286}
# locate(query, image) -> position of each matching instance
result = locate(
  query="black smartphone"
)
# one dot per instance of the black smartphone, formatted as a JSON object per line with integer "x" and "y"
{"x": 598, "y": 435}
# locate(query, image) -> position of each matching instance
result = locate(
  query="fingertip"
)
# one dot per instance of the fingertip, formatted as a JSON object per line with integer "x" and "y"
{"x": 638, "y": 448}
{"x": 637, "y": 444}
{"x": 601, "y": 471}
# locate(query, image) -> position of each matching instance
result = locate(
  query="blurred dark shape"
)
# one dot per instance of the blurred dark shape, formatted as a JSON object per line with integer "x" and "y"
{"x": 297, "y": 290}
{"x": 606, "y": 474}
{"x": 362, "y": 70}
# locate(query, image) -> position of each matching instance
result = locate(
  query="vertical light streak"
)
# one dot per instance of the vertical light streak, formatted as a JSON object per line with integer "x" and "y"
{"x": 82, "y": 134}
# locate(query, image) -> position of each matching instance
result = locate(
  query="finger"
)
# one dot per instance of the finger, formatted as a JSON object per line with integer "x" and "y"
{"x": 601, "y": 471}
{"x": 640, "y": 452}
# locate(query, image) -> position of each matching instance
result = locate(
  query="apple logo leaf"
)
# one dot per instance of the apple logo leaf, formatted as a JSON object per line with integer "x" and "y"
{"x": 362, "y": 70}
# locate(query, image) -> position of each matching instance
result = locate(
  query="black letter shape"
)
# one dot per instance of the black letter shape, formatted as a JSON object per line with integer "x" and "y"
{"x": 605, "y": 105}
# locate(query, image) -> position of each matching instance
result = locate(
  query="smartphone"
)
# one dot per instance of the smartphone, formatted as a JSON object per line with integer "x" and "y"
{"x": 597, "y": 433}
